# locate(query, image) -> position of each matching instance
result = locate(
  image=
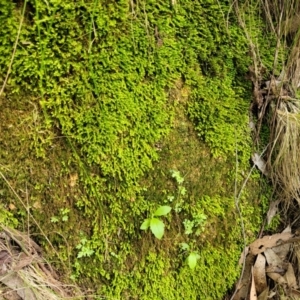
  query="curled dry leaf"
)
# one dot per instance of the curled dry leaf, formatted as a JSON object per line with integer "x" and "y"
{"x": 264, "y": 295}
{"x": 277, "y": 278}
{"x": 243, "y": 286}
{"x": 274, "y": 261}
{"x": 295, "y": 294}
{"x": 287, "y": 229}
{"x": 253, "y": 295}
{"x": 283, "y": 250}
{"x": 270, "y": 241}
{"x": 290, "y": 277}
{"x": 259, "y": 273}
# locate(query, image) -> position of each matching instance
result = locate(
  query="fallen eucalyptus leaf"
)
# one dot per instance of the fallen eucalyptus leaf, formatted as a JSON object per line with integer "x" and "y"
{"x": 270, "y": 241}
{"x": 253, "y": 295}
{"x": 259, "y": 274}
{"x": 290, "y": 277}
{"x": 264, "y": 295}
{"x": 277, "y": 278}
{"x": 274, "y": 260}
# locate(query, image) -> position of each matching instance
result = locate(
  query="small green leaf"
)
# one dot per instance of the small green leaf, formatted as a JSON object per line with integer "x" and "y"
{"x": 54, "y": 219}
{"x": 145, "y": 224}
{"x": 157, "y": 227}
{"x": 192, "y": 259}
{"x": 162, "y": 211}
{"x": 177, "y": 176}
{"x": 184, "y": 246}
{"x": 182, "y": 190}
{"x": 171, "y": 198}
{"x": 65, "y": 218}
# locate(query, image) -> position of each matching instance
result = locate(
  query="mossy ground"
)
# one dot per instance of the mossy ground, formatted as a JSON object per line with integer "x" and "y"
{"x": 90, "y": 134}
{"x": 49, "y": 184}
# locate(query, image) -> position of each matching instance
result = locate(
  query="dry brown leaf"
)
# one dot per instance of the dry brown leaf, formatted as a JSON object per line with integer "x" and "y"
{"x": 253, "y": 295}
{"x": 270, "y": 241}
{"x": 295, "y": 294}
{"x": 259, "y": 273}
{"x": 8, "y": 294}
{"x": 287, "y": 229}
{"x": 282, "y": 251}
{"x": 264, "y": 295}
{"x": 14, "y": 282}
{"x": 277, "y": 278}
{"x": 274, "y": 260}
{"x": 242, "y": 289}
{"x": 23, "y": 240}
{"x": 5, "y": 261}
{"x": 290, "y": 277}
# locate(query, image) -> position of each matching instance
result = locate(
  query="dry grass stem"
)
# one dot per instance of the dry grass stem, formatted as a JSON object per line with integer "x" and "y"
{"x": 24, "y": 272}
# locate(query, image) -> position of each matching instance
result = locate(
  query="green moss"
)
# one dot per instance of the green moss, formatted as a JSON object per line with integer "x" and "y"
{"x": 95, "y": 117}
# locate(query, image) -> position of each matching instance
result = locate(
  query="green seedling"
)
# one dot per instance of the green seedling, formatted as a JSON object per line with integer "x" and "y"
{"x": 155, "y": 224}
{"x": 192, "y": 259}
{"x": 193, "y": 256}
{"x": 63, "y": 216}
{"x": 84, "y": 248}
{"x": 197, "y": 224}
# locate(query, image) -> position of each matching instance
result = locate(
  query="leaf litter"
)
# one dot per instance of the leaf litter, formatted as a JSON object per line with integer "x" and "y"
{"x": 269, "y": 272}
{"x": 25, "y": 274}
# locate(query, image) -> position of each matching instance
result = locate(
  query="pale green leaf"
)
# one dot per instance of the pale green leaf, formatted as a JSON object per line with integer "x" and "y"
{"x": 184, "y": 246}
{"x": 192, "y": 259}
{"x": 162, "y": 211}
{"x": 65, "y": 218}
{"x": 157, "y": 227}
{"x": 54, "y": 219}
{"x": 145, "y": 224}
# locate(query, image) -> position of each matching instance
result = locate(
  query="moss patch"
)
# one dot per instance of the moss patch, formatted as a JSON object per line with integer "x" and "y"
{"x": 104, "y": 100}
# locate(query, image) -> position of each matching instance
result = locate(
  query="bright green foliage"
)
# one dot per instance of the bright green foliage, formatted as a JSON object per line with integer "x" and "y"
{"x": 156, "y": 225}
{"x": 63, "y": 216}
{"x": 162, "y": 211}
{"x": 192, "y": 259}
{"x": 211, "y": 103}
{"x": 151, "y": 277}
{"x": 197, "y": 223}
{"x": 99, "y": 77}
{"x": 7, "y": 218}
{"x": 84, "y": 248}
{"x": 176, "y": 174}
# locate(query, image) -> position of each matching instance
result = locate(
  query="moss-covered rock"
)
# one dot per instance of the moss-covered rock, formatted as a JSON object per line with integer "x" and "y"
{"x": 98, "y": 110}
